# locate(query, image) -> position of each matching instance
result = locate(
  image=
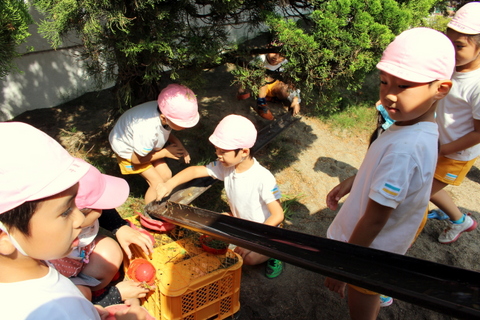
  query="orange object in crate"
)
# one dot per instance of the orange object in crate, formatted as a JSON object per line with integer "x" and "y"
{"x": 141, "y": 270}
{"x": 213, "y": 245}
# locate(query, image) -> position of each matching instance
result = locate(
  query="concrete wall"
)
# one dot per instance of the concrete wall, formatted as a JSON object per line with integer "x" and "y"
{"x": 47, "y": 77}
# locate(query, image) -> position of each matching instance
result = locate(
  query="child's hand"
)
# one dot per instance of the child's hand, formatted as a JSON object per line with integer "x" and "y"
{"x": 127, "y": 236}
{"x": 338, "y": 192}
{"x": 295, "y": 106}
{"x": 132, "y": 289}
{"x": 336, "y": 286}
{"x": 132, "y": 313}
{"x": 186, "y": 157}
{"x": 102, "y": 312}
{"x": 175, "y": 151}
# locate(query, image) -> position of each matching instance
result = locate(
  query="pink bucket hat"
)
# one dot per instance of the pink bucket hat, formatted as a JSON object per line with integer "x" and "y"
{"x": 419, "y": 55}
{"x": 234, "y": 132}
{"x": 179, "y": 104}
{"x": 33, "y": 166}
{"x": 101, "y": 191}
{"x": 467, "y": 19}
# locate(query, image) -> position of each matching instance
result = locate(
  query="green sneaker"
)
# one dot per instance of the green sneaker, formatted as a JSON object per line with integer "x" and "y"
{"x": 273, "y": 268}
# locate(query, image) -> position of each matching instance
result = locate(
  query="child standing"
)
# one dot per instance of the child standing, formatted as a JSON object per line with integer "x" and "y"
{"x": 252, "y": 191}
{"x": 39, "y": 221}
{"x": 391, "y": 190}
{"x": 95, "y": 261}
{"x": 458, "y": 118}
{"x": 142, "y": 137}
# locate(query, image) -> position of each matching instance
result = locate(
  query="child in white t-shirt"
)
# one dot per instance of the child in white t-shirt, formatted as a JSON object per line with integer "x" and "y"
{"x": 96, "y": 260}
{"x": 458, "y": 118}
{"x": 390, "y": 193}
{"x": 39, "y": 221}
{"x": 142, "y": 137}
{"x": 251, "y": 189}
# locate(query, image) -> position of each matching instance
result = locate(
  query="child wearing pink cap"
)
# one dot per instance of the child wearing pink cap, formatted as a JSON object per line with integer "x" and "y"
{"x": 38, "y": 222}
{"x": 142, "y": 137}
{"x": 458, "y": 118}
{"x": 251, "y": 189}
{"x": 390, "y": 193}
{"x": 96, "y": 259}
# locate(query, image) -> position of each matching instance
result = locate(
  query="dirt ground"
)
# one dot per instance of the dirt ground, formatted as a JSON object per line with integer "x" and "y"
{"x": 308, "y": 159}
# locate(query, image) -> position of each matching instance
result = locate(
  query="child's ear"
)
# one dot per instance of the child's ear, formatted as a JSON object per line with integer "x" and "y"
{"x": 245, "y": 152}
{"x": 443, "y": 88}
{"x": 163, "y": 119}
{"x": 6, "y": 246}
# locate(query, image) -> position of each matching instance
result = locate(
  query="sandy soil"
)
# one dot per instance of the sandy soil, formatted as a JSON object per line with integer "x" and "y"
{"x": 314, "y": 158}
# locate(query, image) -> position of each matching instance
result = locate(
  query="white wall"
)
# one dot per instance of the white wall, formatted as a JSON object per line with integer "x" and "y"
{"x": 47, "y": 77}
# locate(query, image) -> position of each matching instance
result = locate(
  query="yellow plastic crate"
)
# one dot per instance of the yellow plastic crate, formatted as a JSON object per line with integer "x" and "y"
{"x": 191, "y": 284}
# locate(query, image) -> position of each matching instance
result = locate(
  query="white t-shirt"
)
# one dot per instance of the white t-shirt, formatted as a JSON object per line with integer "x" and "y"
{"x": 397, "y": 172}
{"x": 52, "y": 297}
{"x": 278, "y": 67}
{"x": 455, "y": 112}
{"x": 248, "y": 192}
{"x": 139, "y": 130}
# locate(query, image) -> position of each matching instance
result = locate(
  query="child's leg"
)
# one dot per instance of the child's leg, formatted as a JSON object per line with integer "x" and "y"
{"x": 105, "y": 261}
{"x": 86, "y": 291}
{"x": 249, "y": 257}
{"x": 363, "y": 306}
{"x": 160, "y": 172}
{"x": 443, "y": 201}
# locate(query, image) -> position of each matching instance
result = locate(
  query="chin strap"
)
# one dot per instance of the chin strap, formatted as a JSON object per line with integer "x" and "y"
{"x": 12, "y": 240}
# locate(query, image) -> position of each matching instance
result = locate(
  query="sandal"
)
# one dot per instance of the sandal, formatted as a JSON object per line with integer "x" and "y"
{"x": 438, "y": 214}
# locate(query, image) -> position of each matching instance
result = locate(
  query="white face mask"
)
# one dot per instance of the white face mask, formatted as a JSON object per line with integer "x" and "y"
{"x": 12, "y": 240}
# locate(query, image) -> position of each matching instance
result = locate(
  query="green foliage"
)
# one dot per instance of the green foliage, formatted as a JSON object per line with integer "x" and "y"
{"x": 437, "y": 22}
{"x": 14, "y": 21}
{"x": 288, "y": 204}
{"x": 337, "y": 45}
{"x": 143, "y": 44}
{"x": 355, "y": 119}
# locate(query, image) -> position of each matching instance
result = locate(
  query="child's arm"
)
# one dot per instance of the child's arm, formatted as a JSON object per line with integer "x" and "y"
{"x": 172, "y": 151}
{"x": 187, "y": 174}
{"x": 338, "y": 192}
{"x": 465, "y": 142}
{"x": 174, "y": 140}
{"x": 276, "y": 213}
{"x": 370, "y": 224}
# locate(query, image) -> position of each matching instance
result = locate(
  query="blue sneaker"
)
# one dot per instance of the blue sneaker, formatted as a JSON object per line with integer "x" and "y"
{"x": 385, "y": 301}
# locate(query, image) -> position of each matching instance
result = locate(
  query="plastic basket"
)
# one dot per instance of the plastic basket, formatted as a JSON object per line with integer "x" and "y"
{"x": 191, "y": 284}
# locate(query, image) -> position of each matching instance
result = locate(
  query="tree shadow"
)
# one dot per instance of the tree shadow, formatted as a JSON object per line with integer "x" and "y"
{"x": 335, "y": 168}
{"x": 474, "y": 174}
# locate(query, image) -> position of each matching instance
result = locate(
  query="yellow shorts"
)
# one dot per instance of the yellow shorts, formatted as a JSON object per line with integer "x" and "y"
{"x": 127, "y": 167}
{"x": 270, "y": 87}
{"x": 362, "y": 290}
{"x": 451, "y": 171}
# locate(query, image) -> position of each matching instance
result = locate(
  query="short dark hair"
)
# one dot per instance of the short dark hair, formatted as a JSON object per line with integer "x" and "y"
{"x": 19, "y": 217}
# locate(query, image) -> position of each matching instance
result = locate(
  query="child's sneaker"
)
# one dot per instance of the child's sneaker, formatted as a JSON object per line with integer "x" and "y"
{"x": 273, "y": 268}
{"x": 453, "y": 231}
{"x": 264, "y": 112}
{"x": 385, "y": 301}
